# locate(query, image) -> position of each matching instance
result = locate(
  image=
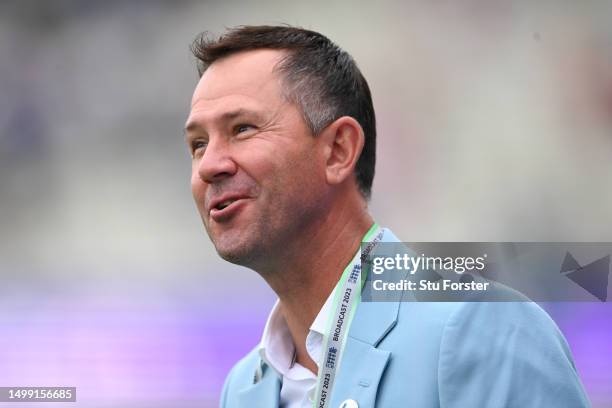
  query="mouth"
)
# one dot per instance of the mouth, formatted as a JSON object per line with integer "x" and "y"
{"x": 225, "y": 208}
{"x": 224, "y": 204}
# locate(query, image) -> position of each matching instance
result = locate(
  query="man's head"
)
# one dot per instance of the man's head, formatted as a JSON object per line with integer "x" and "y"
{"x": 281, "y": 122}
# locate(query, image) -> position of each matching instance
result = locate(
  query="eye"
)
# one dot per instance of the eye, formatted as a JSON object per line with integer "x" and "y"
{"x": 197, "y": 145}
{"x": 243, "y": 127}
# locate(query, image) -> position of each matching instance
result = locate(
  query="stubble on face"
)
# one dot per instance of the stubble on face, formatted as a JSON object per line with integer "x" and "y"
{"x": 278, "y": 167}
{"x": 285, "y": 204}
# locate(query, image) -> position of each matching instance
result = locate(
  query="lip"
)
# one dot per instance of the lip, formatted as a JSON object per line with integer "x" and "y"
{"x": 221, "y": 215}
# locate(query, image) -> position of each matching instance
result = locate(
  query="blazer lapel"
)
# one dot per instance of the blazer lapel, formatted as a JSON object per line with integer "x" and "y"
{"x": 361, "y": 370}
{"x": 264, "y": 393}
{"x": 373, "y": 320}
{"x": 363, "y": 365}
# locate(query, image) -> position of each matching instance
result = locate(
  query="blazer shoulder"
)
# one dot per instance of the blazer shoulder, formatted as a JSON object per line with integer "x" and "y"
{"x": 519, "y": 345}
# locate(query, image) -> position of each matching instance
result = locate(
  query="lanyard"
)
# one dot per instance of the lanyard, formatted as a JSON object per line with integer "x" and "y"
{"x": 346, "y": 297}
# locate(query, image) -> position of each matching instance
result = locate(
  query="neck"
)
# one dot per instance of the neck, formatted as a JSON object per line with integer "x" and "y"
{"x": 315, "y": 263}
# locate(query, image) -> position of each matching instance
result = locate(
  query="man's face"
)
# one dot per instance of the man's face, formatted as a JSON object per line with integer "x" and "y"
{"x": 258, "y": 174}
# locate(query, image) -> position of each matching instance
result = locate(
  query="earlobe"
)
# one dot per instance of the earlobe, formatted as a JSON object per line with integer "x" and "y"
{"x": 344, "y": 141}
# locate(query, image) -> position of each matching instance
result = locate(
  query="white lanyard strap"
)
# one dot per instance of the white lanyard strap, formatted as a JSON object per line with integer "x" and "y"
{"x": 346, "y": 297}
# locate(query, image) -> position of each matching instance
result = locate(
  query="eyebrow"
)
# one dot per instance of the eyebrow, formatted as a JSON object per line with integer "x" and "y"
{"x": 224, "y": 117}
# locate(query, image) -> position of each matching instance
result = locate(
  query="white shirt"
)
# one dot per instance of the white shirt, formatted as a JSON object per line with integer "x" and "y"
{"x": 277, "y": 350}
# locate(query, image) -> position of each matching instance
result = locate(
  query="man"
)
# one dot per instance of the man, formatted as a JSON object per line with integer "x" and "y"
{"x": 282, "y": 135}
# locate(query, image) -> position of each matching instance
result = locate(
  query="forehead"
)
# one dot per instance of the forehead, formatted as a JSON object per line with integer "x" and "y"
{"x": 244, "y": 78}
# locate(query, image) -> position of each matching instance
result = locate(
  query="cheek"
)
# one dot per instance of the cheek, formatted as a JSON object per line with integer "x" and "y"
{"x": 256, "y": 165}
{"x": 307, "y": 166}
{"x": 302, "y": 177}
{"x": 281, "y": 169}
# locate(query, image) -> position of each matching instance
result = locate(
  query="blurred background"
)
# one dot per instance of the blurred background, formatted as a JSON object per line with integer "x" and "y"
{"x": 494, "y": 121}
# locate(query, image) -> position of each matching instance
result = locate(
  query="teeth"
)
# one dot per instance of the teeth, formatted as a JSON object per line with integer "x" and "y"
{"x": 224, "y": 204}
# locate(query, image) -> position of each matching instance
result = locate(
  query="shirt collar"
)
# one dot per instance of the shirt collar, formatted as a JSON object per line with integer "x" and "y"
{"x": 276, "y": 346}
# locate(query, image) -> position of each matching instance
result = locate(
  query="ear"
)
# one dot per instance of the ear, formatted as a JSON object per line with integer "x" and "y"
{"x": 343, "y": 141}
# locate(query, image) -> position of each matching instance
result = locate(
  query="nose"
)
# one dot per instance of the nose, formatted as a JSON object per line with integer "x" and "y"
{"x": 216, "y": 163}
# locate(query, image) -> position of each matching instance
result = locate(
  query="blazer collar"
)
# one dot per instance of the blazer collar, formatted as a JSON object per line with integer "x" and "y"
{"x": 374, "y": 320}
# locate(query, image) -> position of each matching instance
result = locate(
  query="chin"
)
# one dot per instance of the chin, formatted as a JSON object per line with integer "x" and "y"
{"x": 242, "y": 255}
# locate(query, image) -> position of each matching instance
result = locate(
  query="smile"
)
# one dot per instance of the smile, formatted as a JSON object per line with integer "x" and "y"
{"x": 227, "y": 209}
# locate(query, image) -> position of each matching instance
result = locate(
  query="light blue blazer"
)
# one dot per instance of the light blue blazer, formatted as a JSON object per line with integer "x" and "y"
{"x": 437, "y": 355}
